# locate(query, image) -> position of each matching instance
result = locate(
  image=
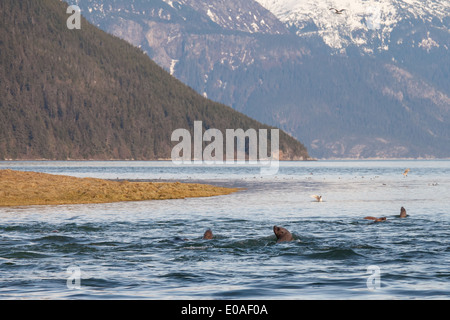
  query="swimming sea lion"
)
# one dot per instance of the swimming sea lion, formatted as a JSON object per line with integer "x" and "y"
{"x": 282, "y": 234}
{"x": 208, "y": 235}
{"x": 376, "y": 219}
{"x": 403, "y": 213}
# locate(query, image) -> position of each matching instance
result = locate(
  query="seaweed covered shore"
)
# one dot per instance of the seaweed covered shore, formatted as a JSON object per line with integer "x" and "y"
{"x": 19, "y": 188}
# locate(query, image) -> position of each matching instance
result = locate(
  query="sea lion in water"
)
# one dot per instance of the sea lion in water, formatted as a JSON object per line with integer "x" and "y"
{"x": 282, "y": 234}
{"x": 376, "y": 219}
{"x": 403, "y": 213}
{"x": 208, "y": 235}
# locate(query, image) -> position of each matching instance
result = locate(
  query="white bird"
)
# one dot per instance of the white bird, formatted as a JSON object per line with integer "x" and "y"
{"x": 318, "y": 198}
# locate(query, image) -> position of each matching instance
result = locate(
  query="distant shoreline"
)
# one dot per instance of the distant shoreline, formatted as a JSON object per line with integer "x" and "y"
{"x": 169, "y": 160}
{"x": 25, "y": 188}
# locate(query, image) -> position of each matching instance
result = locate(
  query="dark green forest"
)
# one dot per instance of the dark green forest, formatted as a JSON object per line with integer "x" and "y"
{"x": 84, "y": 94}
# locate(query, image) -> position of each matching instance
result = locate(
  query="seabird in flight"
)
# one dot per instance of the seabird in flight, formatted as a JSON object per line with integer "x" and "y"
{"x": 337, "y": 11}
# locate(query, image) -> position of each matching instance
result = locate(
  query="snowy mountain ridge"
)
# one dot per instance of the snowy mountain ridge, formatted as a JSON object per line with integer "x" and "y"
{"x": 238, "y": 15}
{"x": 363, "y": 22}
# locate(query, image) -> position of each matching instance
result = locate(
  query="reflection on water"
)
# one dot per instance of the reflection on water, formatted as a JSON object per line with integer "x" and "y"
{"x": 154, "y": 249}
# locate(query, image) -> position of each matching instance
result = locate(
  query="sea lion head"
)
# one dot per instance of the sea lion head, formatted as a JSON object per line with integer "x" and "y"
{"x": 282, "y": 234}
{"x": 403, "y": 213}
{"x": 208, "y": 234}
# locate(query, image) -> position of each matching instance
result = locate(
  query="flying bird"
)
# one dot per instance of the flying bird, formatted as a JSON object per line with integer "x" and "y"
{"x": 318, "y": 198}
{"x": 406, "y": 172}
{"x": 337, "y": 11}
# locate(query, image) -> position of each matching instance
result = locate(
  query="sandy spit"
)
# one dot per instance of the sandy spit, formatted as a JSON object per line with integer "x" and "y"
{"x": 19, "y": 188}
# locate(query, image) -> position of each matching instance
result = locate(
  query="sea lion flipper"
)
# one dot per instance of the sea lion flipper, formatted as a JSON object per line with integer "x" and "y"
{"x": 403, "y": 213}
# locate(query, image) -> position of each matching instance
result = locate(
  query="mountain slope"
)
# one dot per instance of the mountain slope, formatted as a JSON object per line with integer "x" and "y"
{"x": 413, "y": 33}
{"x": 84, "y": 94}
{"x": 351, "y": 85}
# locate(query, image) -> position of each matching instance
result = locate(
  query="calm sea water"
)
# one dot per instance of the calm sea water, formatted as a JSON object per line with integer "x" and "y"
{"x": 154, "y": 250}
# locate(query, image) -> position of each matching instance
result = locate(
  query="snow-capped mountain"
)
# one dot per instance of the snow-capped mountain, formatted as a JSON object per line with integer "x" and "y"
{"x": 365, "y": 23}
{"x": 368, "y": 81}
{"x": 238, "y": 15}
{"x": 167, "y": 29}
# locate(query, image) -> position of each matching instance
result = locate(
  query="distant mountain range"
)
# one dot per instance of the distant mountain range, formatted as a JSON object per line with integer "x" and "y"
{"x": 369, "y": 82}
{"x": 85, "y": 94}
{"x": 370, "y": 25}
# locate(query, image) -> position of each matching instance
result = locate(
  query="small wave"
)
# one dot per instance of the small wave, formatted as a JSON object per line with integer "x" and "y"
{"x": 75, "y": 227}
{"x": 252, "y": 243}
{"x": 26, "y": 255}
{"x": 56, "y": 239}
{"x": 6, "y": 261}
{"x": 106, "y": 244}
{"x": 88, "y": 228}
{"x": 13, "y": 228}
{"x": 196, "y": 248}
{"x": 183, "y": 276}
{"x": 100, "y": 283}
{"x": 335, "y": 254}
{"x": 367, "y": 246}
